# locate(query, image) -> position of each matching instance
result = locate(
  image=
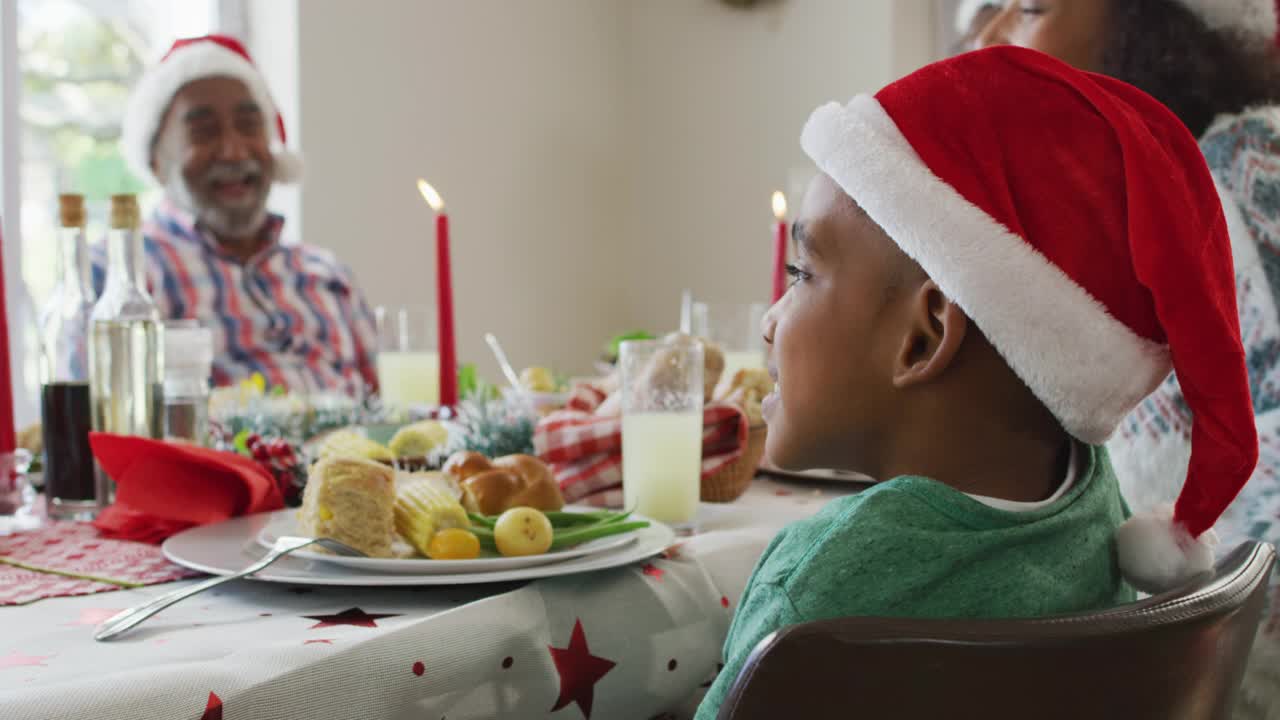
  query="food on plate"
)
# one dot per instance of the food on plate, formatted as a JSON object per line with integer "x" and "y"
{"x": 538, "y": 379}
{"x": 746, "y": 388}
{"x": 522, "y": 531}
{"x": 349, "y": 443}
{"x": 351, "y": 500}
{"x": 454, "y": 544}
{"x": 491, "y": 487}
{"x": 418, "y": 439}
{"x": 423, "y": 509}
{"x": 567, "y": 528}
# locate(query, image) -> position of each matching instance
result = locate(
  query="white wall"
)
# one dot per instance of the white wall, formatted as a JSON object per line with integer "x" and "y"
{"x": 509, "y": 109}
{"x": 716, "y": 98}
{"x": 596, "y": 155}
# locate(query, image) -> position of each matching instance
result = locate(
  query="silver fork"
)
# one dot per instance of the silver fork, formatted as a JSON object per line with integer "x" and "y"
{"x": 127, "y": 619}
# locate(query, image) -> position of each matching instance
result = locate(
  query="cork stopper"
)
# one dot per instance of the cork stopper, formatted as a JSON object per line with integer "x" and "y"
{"x": 71, "y": 210}
{"x": 124, "y": 212}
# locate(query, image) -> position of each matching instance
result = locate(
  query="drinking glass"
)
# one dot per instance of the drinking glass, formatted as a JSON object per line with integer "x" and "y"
{"x": 662, "y": 428}
{"x": 735, "y": 327}
{"x": 16, "y": 495}
{"x": 408, "y": 363}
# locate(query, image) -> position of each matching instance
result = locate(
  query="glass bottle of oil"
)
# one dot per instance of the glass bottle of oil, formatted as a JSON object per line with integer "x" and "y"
{"x": 126, "y": 351}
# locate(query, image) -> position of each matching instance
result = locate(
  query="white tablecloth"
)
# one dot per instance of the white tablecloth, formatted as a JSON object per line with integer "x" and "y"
{"x": 631, "y": 642}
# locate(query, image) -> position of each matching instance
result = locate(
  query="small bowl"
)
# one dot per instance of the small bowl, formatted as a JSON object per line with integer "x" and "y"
{"x": 543, "y": 402}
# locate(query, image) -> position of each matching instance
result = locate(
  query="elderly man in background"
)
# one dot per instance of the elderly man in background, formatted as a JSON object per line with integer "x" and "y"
{"x": 202, "y": 124}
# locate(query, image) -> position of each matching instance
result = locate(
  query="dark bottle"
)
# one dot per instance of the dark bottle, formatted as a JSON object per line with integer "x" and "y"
{"x": 65, "y": 409}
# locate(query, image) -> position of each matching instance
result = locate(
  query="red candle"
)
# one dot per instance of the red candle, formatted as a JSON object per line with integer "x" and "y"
{"x": 779, "y": 246}
{"x": 8, "y": 438}
{"x": 444, "y": 299}
{"x": 444, "y": 308}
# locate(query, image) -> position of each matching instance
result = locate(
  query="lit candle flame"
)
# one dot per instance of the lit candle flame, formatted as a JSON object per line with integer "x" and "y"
{"x": 779, "y": 205}
{"x": 431, "y": 196}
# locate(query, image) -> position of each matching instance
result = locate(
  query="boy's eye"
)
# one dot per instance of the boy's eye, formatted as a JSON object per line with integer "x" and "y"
{"x": 1033, "y": 7}
{"x": 797, "y": 273}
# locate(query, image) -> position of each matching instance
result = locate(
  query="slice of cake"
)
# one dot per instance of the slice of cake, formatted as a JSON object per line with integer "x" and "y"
{"x": 351, "y": 500}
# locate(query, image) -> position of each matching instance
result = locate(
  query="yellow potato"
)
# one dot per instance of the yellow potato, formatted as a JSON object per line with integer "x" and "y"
{"x": 522, "y": 531}
{"x": 454, "y": 544}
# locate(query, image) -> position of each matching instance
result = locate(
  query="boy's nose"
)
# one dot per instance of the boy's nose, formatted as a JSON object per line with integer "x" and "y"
{"x": 770, "y": 320}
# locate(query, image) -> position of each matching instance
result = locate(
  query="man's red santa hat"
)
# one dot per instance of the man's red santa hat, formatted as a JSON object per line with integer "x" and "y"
{"x": 188, "y": 60}
{"x": 1072, "y": 217}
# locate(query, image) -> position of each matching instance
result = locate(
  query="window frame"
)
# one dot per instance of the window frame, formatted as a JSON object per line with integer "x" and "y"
{"x": 228, "y": 17}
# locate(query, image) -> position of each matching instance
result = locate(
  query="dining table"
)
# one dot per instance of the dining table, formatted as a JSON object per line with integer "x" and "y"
{"x": 638, "y": 641}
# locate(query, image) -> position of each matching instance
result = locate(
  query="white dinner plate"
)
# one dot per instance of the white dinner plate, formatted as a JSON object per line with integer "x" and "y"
{"x": 227, "y": 547}
{"x": 285, "y": 523}
{"x": 836, "y": 476}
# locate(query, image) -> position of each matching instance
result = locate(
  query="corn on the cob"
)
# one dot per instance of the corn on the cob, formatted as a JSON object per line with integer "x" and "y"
{"x": 346, "y": 443}
{"x": 422, "y": 510}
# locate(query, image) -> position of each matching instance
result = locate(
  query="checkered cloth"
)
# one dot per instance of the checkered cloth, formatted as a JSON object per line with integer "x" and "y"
{"x": 585, "y": 450}
{"x": 69, "y": 558}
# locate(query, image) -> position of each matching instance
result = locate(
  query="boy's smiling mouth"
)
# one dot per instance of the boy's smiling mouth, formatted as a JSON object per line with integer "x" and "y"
{"x": 768, "y": 403}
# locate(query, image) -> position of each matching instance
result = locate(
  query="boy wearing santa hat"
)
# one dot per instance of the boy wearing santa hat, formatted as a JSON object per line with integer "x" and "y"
{"x": 1000, "y": 258}
{"x": 202, "y": 124}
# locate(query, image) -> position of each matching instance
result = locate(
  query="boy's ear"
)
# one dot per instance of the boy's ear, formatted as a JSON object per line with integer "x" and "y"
{"x": 934, "y": 331}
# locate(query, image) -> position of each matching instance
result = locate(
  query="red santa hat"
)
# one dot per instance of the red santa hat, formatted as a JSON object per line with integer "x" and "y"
{"x": 188, "y": 60}
{"x": 1072, "y": 217}
{"x": 1248, "y": 17}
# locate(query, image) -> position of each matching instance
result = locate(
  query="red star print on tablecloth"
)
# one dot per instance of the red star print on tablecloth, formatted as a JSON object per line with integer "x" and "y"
{"x": 17, "y": 659}
{"x": 672, "y": 552}
{"x": 353, "y": 616}
{"x": 213, "y": 708}
{"x": 319, "y": 641}
{"x": 653, "y": 571}
{"x": 579, "y": 671}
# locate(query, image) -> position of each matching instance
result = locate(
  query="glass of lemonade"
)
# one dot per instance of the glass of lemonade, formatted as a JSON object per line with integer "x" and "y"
{"x": 735, "y": 327}
{"x": 408, "y": 363}
{"x": 662, "y": 428}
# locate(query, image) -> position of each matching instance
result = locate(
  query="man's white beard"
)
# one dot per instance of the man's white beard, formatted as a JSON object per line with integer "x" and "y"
{"x": 222, "y": 222}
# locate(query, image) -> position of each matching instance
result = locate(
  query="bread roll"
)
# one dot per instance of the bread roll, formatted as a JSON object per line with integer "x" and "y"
{"x": 712, "y": 362}
{"x": 491, "y": 488}
{"x": 463, "y": 464}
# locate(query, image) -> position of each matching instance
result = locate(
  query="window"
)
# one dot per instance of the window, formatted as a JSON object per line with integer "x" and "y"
{"x": 76, "y": 63}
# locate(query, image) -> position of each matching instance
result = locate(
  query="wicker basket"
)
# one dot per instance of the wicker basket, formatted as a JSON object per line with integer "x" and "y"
{"x": 732, "y": 480}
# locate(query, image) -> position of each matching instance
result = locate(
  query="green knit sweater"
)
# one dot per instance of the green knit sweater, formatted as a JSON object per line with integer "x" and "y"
{"x": 913, "y": 547}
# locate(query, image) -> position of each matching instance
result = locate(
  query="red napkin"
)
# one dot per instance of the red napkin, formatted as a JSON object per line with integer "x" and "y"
{"x": 163, "y": 488}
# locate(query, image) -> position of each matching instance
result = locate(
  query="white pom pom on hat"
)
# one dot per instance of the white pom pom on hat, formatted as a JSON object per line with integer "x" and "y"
{"x": 191, "y": 59}
{"x": 1156, "y": 554}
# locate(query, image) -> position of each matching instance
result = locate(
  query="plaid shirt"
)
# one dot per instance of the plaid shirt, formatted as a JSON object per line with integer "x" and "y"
{"x": 291, "y": 312}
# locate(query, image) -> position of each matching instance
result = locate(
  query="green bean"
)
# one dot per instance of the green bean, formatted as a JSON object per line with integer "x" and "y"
{"x": 594, "y": 532}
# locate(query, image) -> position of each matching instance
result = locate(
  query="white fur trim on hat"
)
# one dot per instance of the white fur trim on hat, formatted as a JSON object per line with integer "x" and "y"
{"x": 1157, "y": 555}
{"x": 968, "y": 10}
{"x": 1056, "y": 337}
{"x": 1249, "y": 17}
{"x": 155, "y": 90}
